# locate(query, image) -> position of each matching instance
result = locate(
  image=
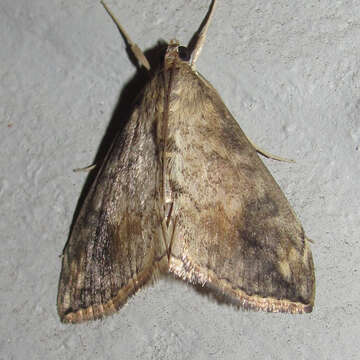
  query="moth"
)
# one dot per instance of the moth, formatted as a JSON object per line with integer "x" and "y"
{"x": 183, "y": 191}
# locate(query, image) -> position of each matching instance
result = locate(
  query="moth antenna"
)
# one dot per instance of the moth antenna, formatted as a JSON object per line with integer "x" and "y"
{"x": 139, "y": 55}
{"x": 268, "y": 155}
{"x": 197, "y": 42}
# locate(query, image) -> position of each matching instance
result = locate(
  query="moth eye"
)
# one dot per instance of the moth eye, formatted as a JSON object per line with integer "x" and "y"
{"x": 184, "y": 53}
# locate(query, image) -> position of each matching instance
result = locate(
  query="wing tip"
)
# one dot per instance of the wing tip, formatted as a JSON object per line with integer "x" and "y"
{"x": 70, "y": 315}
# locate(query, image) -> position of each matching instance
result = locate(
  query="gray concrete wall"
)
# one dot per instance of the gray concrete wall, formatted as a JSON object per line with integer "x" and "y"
{"x": 289, "y": 73}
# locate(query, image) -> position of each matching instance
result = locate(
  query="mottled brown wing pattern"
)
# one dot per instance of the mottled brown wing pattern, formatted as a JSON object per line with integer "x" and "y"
{"x": 235, "y": 231}
{"x": 183, "y": 190}
{"x": 115, "y": 247}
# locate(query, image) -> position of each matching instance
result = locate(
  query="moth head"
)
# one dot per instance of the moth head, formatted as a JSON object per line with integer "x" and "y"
{"x": 175, "y": 53}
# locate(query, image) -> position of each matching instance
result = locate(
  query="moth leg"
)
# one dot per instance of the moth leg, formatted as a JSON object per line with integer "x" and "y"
{"x": 268, "y": 155}
{"x": 168, "y": 227}
{"x": 85, "y": 169}
{"x": 164, "y": 229}
{"x": 139, "y": 55}
{"x": 164, "y": 233}
{"x": 309, "y": 240}
{"x": 197, "y": 42}
{"x": 172, "y": 236}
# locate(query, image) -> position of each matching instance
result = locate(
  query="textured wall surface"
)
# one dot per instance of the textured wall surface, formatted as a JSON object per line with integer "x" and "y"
{"x": 289, "y": 73}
